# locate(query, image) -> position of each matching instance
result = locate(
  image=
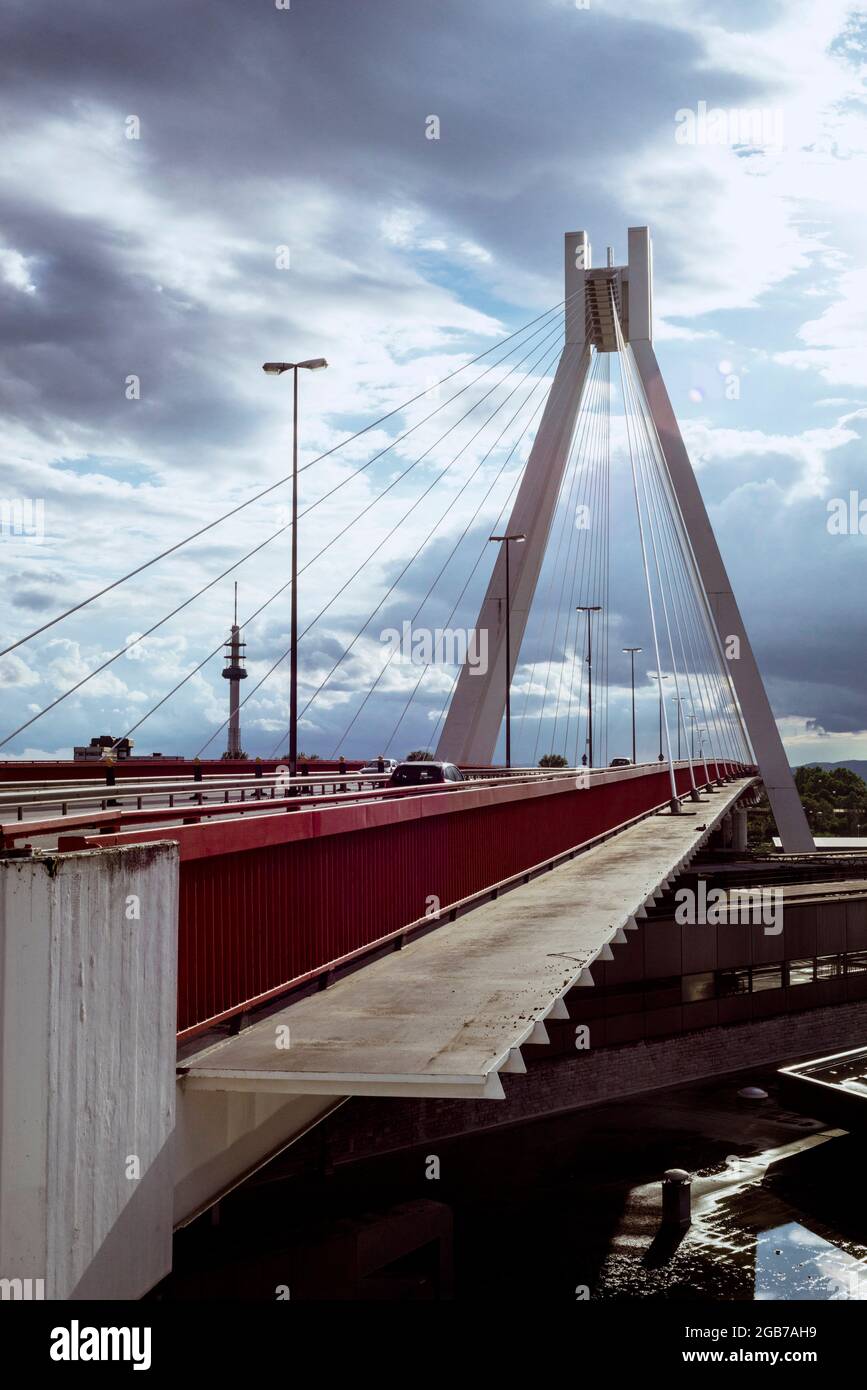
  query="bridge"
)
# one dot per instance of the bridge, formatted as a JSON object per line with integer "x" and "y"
{"x": 202, "y": 961}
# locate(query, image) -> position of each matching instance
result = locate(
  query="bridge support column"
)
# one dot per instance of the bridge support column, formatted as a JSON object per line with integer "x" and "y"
{"x": 739, "y": 828}
{"x": 88, "y": 1002}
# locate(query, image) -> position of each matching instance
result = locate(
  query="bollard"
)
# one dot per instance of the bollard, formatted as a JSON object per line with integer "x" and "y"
{"x": 676, "y": 1199}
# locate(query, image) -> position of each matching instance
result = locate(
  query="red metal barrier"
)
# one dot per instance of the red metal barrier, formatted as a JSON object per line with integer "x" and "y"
{"x": 269, "y": 902}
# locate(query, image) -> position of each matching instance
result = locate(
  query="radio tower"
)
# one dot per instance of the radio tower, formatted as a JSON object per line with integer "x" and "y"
{"x": 234, "y": 672}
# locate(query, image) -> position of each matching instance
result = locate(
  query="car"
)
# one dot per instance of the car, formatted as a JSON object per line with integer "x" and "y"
{"x": 389, "y": 764}
{"x": 421, "y": 773}
{"x": 620, "y": 762}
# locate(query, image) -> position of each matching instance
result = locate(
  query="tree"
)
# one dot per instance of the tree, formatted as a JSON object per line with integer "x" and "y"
{"x": 835, "y": 803}
{"x": 420, "y": 755}
{"x": 553, "y": 760}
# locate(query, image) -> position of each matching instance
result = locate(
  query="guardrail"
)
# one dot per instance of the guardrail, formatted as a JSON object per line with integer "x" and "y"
{"x": 75, "y": 770}
{"x": 165, "y": 792}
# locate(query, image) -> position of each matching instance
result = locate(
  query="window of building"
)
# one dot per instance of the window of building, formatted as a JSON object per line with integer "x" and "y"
{"x": 767, "y": 977}
{"x": 731, "y": 982}
{"x": 828, "y": 966}
{"x": 802, "y": 972}
{"x": 856, "y": 962}
{"x": 698, "y": 987}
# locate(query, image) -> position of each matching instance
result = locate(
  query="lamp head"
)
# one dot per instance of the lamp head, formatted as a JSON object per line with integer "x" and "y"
{"x": 313, "y": 364}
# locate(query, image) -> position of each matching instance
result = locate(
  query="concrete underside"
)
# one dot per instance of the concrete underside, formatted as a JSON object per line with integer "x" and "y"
{"x": 445, "y": 1015}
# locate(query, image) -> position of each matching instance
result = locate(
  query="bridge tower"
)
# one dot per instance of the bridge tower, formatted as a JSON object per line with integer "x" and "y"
{"x": 473, "y": 722}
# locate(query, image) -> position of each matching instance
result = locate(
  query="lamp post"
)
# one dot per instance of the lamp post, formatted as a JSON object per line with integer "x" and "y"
{"x": 632, "y": 651}
{"x": 276, "y": 369}
{"x": 589, "y": 608}
{"x": 661, "y": 676}
{"x": 517, "y": 537}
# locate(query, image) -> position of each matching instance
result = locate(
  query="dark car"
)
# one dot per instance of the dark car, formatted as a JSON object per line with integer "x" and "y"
{"x": 420, "y": 774}
{"x": 620, "y": 762}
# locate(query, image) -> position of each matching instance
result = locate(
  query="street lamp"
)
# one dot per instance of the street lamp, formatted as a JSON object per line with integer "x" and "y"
{"x": 312, "y": 364}
{"x": 660, "y": 676}
{"x": 589, "y": 608}
{"x": 632, "y": 651}
{"x": 517, "y": 537}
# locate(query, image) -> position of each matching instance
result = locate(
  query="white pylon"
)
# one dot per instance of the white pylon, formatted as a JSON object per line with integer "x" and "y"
{"x": 473, "y": 722}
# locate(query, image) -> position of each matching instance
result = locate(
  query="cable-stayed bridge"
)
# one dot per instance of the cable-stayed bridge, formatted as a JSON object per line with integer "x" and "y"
{"x": 311, "y": 937}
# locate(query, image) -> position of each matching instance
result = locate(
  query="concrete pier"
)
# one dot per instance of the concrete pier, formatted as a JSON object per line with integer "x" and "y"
{"x": 88, "y": 988}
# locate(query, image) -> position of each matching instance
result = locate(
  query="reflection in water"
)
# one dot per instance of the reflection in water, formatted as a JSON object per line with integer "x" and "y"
{"x": 793, "y": 1262}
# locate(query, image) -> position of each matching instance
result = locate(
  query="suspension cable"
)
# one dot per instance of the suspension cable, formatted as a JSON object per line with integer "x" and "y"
{"x": 450, "y": 556}
{"x": 202, "y": 530}
{"x": 388, "y": 536}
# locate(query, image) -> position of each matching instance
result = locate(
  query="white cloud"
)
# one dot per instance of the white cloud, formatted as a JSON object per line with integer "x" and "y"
{"x": 15, "y": 270}
{"x": 835, "y": 340}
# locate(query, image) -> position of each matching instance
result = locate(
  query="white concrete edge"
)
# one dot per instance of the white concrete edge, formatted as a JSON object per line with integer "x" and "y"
{"x": 482, "y": 1087}
{"x": 558, "y": 1011}
{"x": 514, "y": 1064}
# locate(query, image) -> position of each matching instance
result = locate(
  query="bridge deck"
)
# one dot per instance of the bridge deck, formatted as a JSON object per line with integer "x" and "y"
{"x": 446, "y": 1014}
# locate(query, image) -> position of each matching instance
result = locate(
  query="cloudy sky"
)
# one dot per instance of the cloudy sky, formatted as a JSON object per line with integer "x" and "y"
{"x": 191, "y": 189}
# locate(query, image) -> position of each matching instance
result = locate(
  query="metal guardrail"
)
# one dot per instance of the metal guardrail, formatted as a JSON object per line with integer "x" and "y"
{"x": 166, "y": 792}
